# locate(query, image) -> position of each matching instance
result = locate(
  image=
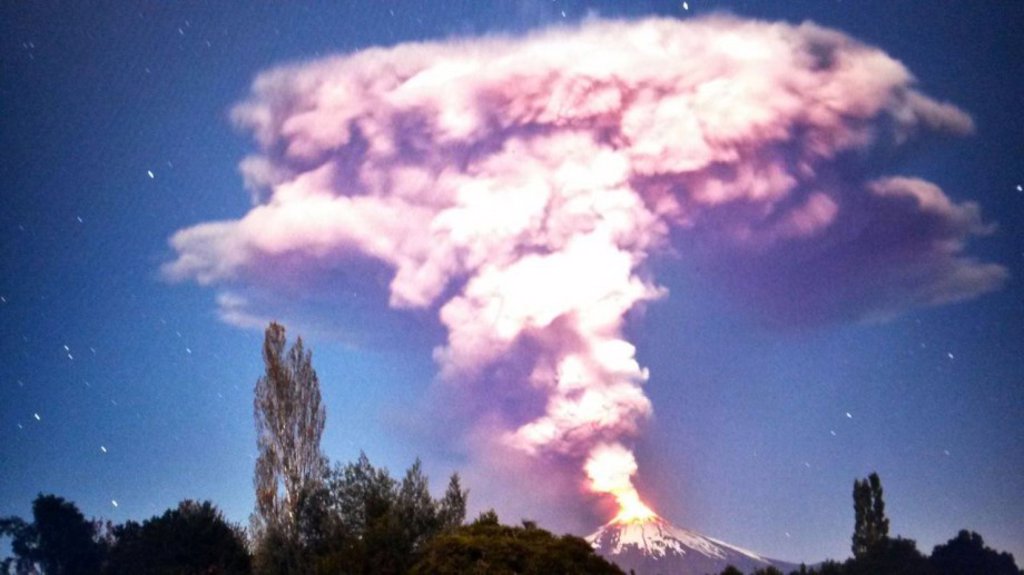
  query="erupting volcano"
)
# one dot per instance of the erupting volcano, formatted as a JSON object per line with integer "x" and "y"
{"x": 649, "y": 545}
{"x": 638, "y": 538}
{"x": 611, "y": 469}
{"x": 519, "y": 188}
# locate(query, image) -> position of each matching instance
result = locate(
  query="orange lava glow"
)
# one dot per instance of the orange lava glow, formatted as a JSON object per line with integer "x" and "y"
{"x": 632, "y": 509}
{"x": 610, "y": 469}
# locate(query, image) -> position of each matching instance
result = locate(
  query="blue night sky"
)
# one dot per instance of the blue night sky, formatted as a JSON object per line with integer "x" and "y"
{"x": 119, "y": 385}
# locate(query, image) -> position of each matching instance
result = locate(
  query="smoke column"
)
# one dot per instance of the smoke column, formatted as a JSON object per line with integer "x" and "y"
{"x": 519, "y": 186}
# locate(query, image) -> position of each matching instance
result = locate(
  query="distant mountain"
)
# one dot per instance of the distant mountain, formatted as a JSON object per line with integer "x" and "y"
{"x": 655, "y": 547}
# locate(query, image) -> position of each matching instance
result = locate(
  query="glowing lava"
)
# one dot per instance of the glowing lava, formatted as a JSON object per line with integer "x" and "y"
{"x": 610, "y": 468}
{"x": 632, "y": 509}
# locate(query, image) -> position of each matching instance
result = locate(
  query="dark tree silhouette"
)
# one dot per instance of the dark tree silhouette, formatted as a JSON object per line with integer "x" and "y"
{"x": 59, "y": 541}
{"x": 452, "y": 507}
{"x": 360, "y": 520}
{"x": 487, "y": 547}
{"x": 966, "y": 554}
{"x": 416, "y": 511}
{"x": 289, "y": 423}
{"x": 192, "y": 539}
{"x": 829, "y": 568}
{"x": 889, "y": 556}
{"x": 871, "y": 527}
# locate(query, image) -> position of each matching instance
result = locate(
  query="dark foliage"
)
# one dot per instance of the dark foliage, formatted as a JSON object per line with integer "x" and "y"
{"x": 829, "y": 568}
{"x": 193, "y": 539}
{"x": 889, "y": 557}
{"x": 59, "y": 541}
{"x": 364, "y": 521}
{"x": 277, "y": 552}
{"x": 871, "y": 527}
{"x": 875, "y": 553}
{"x": 966, "y": 554}
{"x": 451, "y": 510}
{"x": 487, "y": 547}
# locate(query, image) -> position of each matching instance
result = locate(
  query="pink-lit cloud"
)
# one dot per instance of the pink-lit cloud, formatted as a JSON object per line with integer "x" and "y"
{"x": 519, "y": 186}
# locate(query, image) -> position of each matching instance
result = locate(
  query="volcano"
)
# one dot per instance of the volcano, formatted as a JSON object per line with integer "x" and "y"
{"x": 653, "y": 546}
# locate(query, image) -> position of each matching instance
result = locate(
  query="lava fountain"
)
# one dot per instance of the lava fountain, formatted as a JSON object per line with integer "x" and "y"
{"x": 610, "y": 470}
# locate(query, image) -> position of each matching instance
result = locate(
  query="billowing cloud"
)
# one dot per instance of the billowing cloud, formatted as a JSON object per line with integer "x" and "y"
{"x": 519, "y": 186}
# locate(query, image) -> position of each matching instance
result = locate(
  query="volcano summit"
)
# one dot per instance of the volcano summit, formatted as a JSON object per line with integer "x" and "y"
{"x": 654, "y": 546}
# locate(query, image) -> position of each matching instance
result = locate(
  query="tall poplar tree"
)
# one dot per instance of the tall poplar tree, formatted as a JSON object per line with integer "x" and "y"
{"x": 289, "y": 423}
{"x": 871, "y": 527}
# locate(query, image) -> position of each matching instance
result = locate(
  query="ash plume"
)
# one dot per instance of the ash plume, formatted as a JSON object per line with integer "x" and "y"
{"x": 518, "y": 187}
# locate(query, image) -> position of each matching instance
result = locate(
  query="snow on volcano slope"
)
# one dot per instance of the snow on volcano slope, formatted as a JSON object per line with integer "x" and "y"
{"x": 655, "y": 546}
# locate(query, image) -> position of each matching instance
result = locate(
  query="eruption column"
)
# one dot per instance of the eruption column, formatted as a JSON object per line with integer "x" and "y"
{"x": 519, "y": 186}
{"x": 610, "y": 468}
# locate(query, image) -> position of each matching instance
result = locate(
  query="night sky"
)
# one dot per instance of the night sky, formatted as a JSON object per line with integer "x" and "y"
{"x": 126, "y": 392}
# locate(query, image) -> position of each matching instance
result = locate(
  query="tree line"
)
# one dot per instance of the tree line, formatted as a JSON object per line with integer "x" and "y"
{"x": 355, "y": 518}
{"x": 365, "y": 524}
{"x": 310, "y": 517}
{"x": 875, "y": 553}
{"x": 315, "y": 518}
